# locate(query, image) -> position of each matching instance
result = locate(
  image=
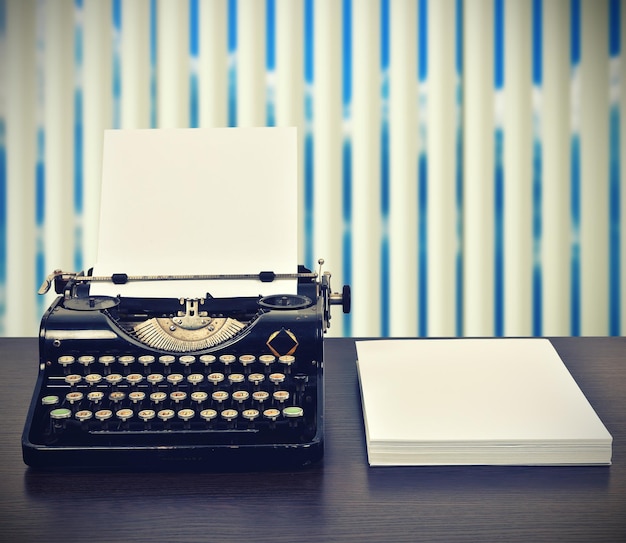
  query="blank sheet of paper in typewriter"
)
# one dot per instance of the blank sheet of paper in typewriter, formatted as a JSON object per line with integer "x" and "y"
{"x": 198, "y": 201}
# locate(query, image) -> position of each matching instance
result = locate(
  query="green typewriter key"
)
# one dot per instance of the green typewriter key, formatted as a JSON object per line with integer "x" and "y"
{"x": 146, "y": 414}
{"x": 199, "y": 397}
{"x": 83, "y": 415}
{"x": 50, "y": 400}
{"x": 86, "y": 360}
{"x": 60, "y": 414}
{"x": 207, "y": 359}
{"x": 230, "y": 414}
{"x": 178, "y": 396}
{"x": 95, "y": 396}
{"x": 281, "y": 396}
{"x": 137, "y": 396}
{"x": 293, "y": 412}
{"x": 165, "y": 414}
{"x": 93, "y": 379}
{"x": 124, "y": 414}
{"x": 208, "y": 414}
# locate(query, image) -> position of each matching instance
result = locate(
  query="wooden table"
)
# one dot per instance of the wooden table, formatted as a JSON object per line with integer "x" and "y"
{"x": 340, "y": 499}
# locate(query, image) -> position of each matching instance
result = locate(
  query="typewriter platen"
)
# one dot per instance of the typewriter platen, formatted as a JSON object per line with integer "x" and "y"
{"x": 215, "y": 384}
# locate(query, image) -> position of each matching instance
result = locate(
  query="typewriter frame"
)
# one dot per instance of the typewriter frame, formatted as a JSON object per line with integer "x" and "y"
{"x": 67, "y": 329}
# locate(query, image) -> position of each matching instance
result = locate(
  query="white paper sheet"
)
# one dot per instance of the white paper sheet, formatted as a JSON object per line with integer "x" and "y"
{"x": 198, "y": 201}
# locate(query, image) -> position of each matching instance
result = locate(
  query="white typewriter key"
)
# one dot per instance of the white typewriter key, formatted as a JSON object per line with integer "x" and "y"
{"x": 267, "y": 359}
{"x": 49, "y": 400}
{"x": 260, "y": 396}
{"x": 271, "y": 414}
{"x": 155, "y": 378}
{"x": 281, "y": 396}
{"x": 73, "y": 397}
{"x": 95, "y": 396}
{"x": 106, "y": 360}
{"x": 93, "y": 378}
{"x": 256, "y": 378}
{"x": 126, "y": 360}
{"x": 174, "y": 378}
{"x": 220, "y": 396}
{"x": 178, "y": 396}
{"x": 136, "y": 396}
{"x": 66, "y": 361}
{"x": 165, "y": 414}
{"x": 293, "y": 412}
{"x": 103, "y": 414}
{"x": 199, "y": 396}
{"x": 195, "y": 378}
{"x": 207, "y": 359}
{"x": 146, "y": 359}
{"x": 287, "y": 359}
{"x": 227, "y": 359}
{"x": 134, "y": 378}
{"x": 60, "y": 414}
{"x": 157, "y": 397}
{"x": 114, "y": 378}
{"x": 247, "y": 359}
{"x": 124, "y": 414}
{"x": 187, "y": 360}
{"x": 83, "y": 415}
{"x": 86, "y": 360}
{"x": 117, "y": 396}
{"x": 146, "y": 414}
{"x": 240, "y": 396}
{"x": 186, "y": 414}
{"x": 229, "y": 414}
{"x": 215, "y": 378}
{"x": 250, "y": 414}
{"x": 208, "y": 414}
{"x": 73, "y": 379}
{"x": 277, "y": 378}
{"x": 236, "y": 378}
{"x": 166, "y": 359}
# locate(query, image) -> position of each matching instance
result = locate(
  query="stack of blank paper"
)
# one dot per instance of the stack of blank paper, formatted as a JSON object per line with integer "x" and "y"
{"x": 475, "y": 401}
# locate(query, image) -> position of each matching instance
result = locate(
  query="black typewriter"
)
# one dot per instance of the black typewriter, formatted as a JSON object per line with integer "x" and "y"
{"x": 217, "y": 384}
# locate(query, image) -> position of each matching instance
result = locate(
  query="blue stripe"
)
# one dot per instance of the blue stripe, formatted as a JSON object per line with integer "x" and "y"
{"x": 194, "y": 47}
{"x": 40, "y": 157}
{"x": 615, "y": 219}
{"x": 537, "y": 187}
{"x": 385, "y": 279}
{"x": 422, "y": 39}
{"x": 232, "y": 62}
{"x": 459, "y": 196}
{"x": 498, "y": 44}
{"x": 270, "y": 60}
{"x": 309, "y": 28}
{"x": 117, "y": 63}
{"x": 153, "y": 63}
{"x": 346, "y": 174}
{"x": 575, "y": 29}
{"x": 78, "y": 137}
{"x": 309, "y": 143}
{"x": 499, "y": 232}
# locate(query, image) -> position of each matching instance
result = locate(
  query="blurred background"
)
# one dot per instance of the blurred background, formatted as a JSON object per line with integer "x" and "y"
{"x": 460, "y": 161}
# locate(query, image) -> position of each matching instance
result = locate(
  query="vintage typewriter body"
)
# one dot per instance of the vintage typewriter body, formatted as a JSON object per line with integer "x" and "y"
{"x": 215, "y": 384}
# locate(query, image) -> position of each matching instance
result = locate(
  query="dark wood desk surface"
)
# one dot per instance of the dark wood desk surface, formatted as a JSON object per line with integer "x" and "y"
{"x": 341, "y": 499}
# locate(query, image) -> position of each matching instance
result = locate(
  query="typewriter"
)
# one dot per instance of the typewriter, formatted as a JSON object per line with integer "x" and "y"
{"x": 217, "y": 384}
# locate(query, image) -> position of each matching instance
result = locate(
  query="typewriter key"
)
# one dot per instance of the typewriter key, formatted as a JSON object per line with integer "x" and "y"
{"x": 114, "y": 378}
{"x": 256, "y": 378}
{"x": 281, "y": 396}
{"x": 155, "y": 378}
{"x": 126, "y": 360}
{"x": 117, "y": 396}
{"x": 220, "y": 396}
{"x": 199, "y": 397}
{"x": 136, "y": 396}
{"x": 207, "y": 359}
{"x": 95, "y": 396}
{"x": 215, "y": 378}
{"x": 240, "y": 396}
{"x": 74, "y": 397}
{"x": 146, "y": 360}
{"x": 175, "y": 378}
{"x": 93, "y": 378}
{"x": 106, "y": 360}
{"x": 166, "y": 359}
{"x": 134, "y": 378}
{"x": 293, "y": 412}
{"x": 247, "y": 359}
{"x": 146, "y": 414}
{"x": 86, "y": 360}
{"x": 60, "y": 414}
{"x": 250, "y": 414}
{"x": 227, "y": 359}
{"x": 157, "y": 397}
{"x": 73, "y": 379}
{"x": 260, "y": 396}
{"x": 124, "y": 414}
{"x": 187, "y": 360}
{"x": 165, "y": 414}
{"x": 229, "y": 414}
{"x": 277, "y": 378}
{"x": 186, "y": 414}
{"x": 236, "y": 378}
{"x": 103, "y": 414}
{"x": 267, "y": 359}
{"x": 178, "y": 396}
{"x": 195, "y": 378}
{"x": 271, "y": 414}
{"x": 83, "y": 415}
{"x": 66, "y": 361}
{"x": 49, "y": 400}
{"x": 287, "y": 359}
{"x": 208, "y": 414}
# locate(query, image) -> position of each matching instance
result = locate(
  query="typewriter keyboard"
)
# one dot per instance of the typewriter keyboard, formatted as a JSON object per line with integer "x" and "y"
{"x": 111, "y": 399}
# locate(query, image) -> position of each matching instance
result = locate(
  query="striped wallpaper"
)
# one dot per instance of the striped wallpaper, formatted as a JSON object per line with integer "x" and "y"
{"x": 461, "y": 161}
